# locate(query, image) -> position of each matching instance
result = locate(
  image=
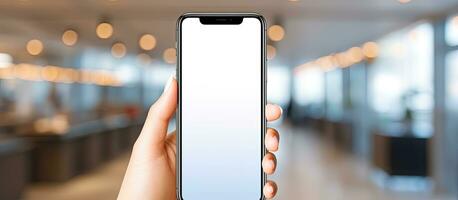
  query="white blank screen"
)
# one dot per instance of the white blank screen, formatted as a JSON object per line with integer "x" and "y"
{"x": 221, "y": 110}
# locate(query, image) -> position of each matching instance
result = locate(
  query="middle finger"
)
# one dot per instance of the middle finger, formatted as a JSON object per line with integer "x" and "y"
{"x": 269, "y": 163}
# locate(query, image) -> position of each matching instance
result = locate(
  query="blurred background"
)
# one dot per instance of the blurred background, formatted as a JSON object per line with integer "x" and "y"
{"x": 369, "y": 90}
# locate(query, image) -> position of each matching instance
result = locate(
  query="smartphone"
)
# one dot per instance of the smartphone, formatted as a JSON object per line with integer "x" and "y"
{"x": 221, "y": 113}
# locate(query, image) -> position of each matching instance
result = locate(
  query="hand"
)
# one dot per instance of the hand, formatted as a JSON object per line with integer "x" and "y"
{"x": 151, "y": 170}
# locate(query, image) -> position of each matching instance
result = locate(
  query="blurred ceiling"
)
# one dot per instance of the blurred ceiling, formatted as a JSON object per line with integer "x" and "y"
{"x": 313, "y": 27}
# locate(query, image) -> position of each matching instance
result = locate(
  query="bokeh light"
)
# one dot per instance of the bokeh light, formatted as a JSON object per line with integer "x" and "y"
{"x": 147, "y": 42}
{"x": 404, "y": 1}
{"x": 355, "y": 54}
{"x": 118, "y": 50}
{"x": 276, "y": 33}
{"x": 104, "y": 30}
{"x": 170, "y": 56}
{"x": 370, "y": 49}
{"x": 70, "y": 37}
{"x": 34, "y": 47}
{"x": 271, "y": 52}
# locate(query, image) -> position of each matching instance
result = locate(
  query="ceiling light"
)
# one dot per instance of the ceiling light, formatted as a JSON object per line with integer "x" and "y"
{"x": 50, "y": 73}
{"x": 355, "y": 54}
{"x": 170, "y": 56}
{"x": 276, "y": 33}
{"x": 342, "y": 60}
{"x": 118, "y": 50}
{"x": 104, "y": 30}
{"x": 147, "y": 42}
{"x": 70, "y": 37}
{"x": 34, "y": 47}
{"x": 370, "y": 49}
{"x": 27, "y": 72}
{"x": 325, "y": 63}
{"x": 404, "y": 1}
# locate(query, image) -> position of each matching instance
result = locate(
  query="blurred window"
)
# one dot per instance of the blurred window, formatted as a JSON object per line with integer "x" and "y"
{"x": 154, "y": 80}
{"x": 309, "y": 87}
{"x": 402, "y": 76}
{"x": 452, "y": 80}
{"x": 357, "y": 86}
{"x": 451, "y": 30}
{"x": 91, "y": 95}
{"x": 278, "y": 85}
{"x": 334, "y": 94}
{"x": 125, "y": 69}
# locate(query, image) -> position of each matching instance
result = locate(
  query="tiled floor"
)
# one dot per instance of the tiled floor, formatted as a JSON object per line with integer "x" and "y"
{"x": 102, "y": 183}
{"x": 308, "y": 169}
{"x": 312, "y": 169}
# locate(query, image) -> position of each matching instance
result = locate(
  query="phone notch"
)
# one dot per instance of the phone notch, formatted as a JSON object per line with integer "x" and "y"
{"x": 221, "y": 20}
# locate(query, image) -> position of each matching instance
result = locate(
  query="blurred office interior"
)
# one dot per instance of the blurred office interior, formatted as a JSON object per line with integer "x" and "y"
{"x": 369, "y": 90}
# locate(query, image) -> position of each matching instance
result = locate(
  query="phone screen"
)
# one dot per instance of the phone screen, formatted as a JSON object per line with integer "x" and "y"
{"x": 221, "y": 109}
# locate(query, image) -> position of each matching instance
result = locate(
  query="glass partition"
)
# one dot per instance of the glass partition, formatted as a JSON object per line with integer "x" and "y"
{"x": 334, "y": 95}
{"x": 451, "y": 125}
{"x": 309, "y": 90}
{"x": 451, "y": 31}
{"x": 401, "y": 78}
{"x": 452, "y": 81}
{"x": 278, "y": 85}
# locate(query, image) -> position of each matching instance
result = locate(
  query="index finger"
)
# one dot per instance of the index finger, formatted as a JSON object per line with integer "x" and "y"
{"x": 273, "y": 112}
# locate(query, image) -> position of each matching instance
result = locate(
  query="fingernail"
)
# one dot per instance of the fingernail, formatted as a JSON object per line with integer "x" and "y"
{"x": 269, "y": 164}
{"x": 273, "y": 141}
{"x": 169, "y": 81}
{"x": 269, "y": 189}
{"x": 281, "y": 110}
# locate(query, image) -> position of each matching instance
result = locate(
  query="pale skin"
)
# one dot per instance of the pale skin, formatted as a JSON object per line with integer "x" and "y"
{"x": 151, "y": 170}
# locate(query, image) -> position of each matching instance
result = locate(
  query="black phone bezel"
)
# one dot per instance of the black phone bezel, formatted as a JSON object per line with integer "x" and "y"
{"x": 214, "y": 16}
